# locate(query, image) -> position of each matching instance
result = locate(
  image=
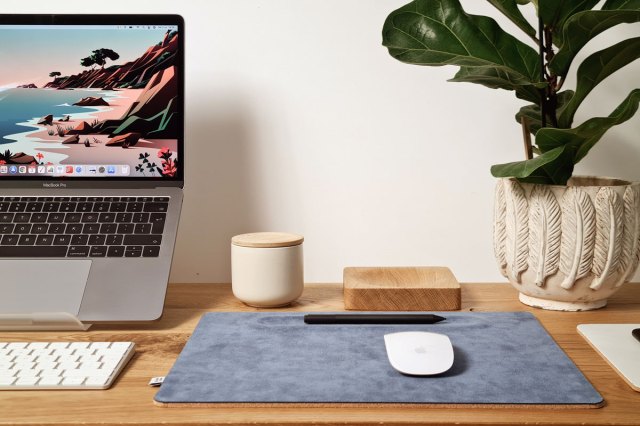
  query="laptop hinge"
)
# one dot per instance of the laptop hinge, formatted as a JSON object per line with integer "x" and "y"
{"x": 42, "y": 321}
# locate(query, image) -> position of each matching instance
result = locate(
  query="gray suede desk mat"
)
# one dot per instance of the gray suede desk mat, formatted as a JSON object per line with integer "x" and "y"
{"x": 274, "y": 358}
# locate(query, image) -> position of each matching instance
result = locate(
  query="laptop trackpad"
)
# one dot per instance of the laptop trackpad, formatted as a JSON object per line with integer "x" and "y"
{"x": 42, "y": 286}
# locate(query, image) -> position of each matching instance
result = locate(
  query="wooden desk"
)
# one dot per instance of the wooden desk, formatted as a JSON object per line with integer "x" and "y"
{"x": 130, "y": 401}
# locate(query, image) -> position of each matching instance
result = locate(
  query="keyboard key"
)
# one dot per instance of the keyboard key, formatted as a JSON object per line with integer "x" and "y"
{"x": 94, "y": 198}
{"x": 118, "y": 207}
{"x": 34, "y": 207}
{"x": 111, "y": 199}
{"x": 62, "y": 240}
{"x": 140, "y": 218}
{"x": 101, "y": 207}
{"x": 50, "y": 207}
{"x": 10, "y": 240}
{"x": 72, "y": 217}
{"x": 6, "y": 217}
{"x": 79, "y": 240}
{"x": 6, "y": 228}
{"x": 22, "y": 228}
{"x": 115, "y": 251}
{"x": 57, "y": 228}
{"x": 78, "y": 199}
{"x": 74, "y": 228}
{"x": 4, "y": 206}
{"x": 108, "y": 228}
{"x": 124, "y": 217}
{"x": 156, "y": 207}
{"x": 39, "y": 228}
{"x": 126, "y": 228}
{"x": 91, "y": 228}
{"x": 128, "y": 199}
{"x": 98, "y": 251}
{"x": 134, "y": 207}
{"x": 78, "y": 251}
{"x": 84, "y": 207}
{"x": 157, "y": 222}
{"x": 143, "y": 240}
{"x": 61, "y": 199}
{"x": 22, "y": 218}
{"x": 44, "y": 240}
{"x": 114, "y": 240}
{"x": 161, "y": 199}
{"x": 56, "y": 218}
{"x": 68, "y": 207}
{"x": 97, "y": 240}
{"x": 106, "y": 217}
{"x": 142, "y": 228}
{"x": 49, "y": 381}
{"x": 151, "y": 251}
{"x": 33, "y": 251}
{"x": 27, "y": 240}
{"x": 17, "y": 207}
{"x": 39, "y": 217}
{"x": 89, "y": 217}
{"x": 132, "y": 253}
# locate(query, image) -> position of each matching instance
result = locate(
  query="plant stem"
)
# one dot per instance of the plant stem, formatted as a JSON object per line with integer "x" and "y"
{"x": 543, "y": 94}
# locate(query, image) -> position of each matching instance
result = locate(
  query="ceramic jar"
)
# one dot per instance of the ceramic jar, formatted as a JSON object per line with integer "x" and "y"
{"x": 267, "y": 268}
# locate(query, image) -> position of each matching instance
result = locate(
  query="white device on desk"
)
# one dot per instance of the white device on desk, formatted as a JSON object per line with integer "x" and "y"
{"x": 62, "y": 365}
{"x": 617, "y": 345}
{"x": 419, "y": 353}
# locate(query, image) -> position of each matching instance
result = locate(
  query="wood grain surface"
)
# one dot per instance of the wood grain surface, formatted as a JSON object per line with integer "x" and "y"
{"x": 130, "y": 401}
{"x": 428, "y": 288}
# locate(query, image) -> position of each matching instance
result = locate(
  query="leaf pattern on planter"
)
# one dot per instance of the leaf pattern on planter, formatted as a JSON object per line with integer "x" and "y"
{"x": 578, "y": 236}
{"x": 500, "y": 227}
{"x": 544, "y": 233}
{"x": 609, "y": 213}
{"x": 630, "y": 254}
{"x": 517, "y": 226}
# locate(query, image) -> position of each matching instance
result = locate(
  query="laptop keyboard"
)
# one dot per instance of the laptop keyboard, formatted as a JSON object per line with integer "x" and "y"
{"x": 82, "y": 226}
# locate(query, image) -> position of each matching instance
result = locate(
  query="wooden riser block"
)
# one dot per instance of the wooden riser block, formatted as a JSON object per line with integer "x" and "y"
{"x": 432, "y": 288}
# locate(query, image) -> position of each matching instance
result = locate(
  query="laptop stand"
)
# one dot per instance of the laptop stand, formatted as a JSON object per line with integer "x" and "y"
{"x": 41, "y": 321}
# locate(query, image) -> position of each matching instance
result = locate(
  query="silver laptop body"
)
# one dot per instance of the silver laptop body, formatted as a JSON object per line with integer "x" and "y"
{"x": 110, "y": 150}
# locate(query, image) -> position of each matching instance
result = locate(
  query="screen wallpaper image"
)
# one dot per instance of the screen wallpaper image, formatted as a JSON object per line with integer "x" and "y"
{"x": 89, "y": 101}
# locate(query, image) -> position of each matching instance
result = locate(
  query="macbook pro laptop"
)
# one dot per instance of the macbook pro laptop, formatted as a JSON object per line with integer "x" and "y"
{"x": 91, "y": 165}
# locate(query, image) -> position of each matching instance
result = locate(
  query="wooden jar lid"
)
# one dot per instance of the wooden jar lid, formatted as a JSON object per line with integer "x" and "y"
{"x": 267, "y": 240}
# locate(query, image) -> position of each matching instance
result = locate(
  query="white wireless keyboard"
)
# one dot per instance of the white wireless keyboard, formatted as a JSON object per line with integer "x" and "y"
{"x": 62, "y": 365}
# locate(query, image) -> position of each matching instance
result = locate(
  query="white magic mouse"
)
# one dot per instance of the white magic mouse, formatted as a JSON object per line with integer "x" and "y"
{"x": 419, "y": 353}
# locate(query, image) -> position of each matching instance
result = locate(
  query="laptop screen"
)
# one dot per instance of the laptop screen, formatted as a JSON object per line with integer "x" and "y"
{"x": 91, "y": 97}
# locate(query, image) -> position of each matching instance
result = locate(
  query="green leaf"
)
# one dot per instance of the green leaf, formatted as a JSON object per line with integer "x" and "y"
{"x": 581, "y": 28}
{"x": 596, "y": 68}
{"x": 495, "y": 78}
{"x": 554, "y": 13}
{"x": 582, "y": 138}
{"x": 621, "y": 4}
{"x": 532, "y": 111}
{"x": 532, "y": 169}
{"x": 440, "y": 32}
{"x": 510, "y": 9}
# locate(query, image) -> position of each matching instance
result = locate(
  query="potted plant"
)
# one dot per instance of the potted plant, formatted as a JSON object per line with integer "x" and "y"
{"x": 565, "y": 242}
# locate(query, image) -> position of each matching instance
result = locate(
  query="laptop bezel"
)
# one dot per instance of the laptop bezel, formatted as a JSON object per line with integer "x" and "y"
{"x": 63, "y": 182}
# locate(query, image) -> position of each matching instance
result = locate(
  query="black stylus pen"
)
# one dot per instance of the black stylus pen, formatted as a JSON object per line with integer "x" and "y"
{"x": 372, "y": 319}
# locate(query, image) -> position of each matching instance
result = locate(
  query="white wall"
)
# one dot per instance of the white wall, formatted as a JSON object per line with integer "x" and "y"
{"x": 298, "y": 120}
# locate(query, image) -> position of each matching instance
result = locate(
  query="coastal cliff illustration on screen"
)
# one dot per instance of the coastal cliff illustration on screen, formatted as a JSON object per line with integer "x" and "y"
{"x": 89, "y": 101}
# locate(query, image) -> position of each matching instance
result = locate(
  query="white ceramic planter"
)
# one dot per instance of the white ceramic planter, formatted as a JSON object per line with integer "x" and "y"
{"x": 567, "y": 247}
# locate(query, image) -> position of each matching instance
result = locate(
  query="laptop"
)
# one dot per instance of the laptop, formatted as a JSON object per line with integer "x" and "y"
{"x": 91, "y": 165}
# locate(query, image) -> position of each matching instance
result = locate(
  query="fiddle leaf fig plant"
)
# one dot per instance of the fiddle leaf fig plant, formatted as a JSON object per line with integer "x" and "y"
{"x": 440, "y": 32}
